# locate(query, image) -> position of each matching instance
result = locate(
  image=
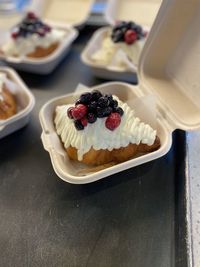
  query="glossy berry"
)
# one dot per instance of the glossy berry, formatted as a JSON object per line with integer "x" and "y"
{"x": 69, "y": 112}
{"x": 78, "y": 102}
{"x": 85, "y": 98}
{"x": 84, "y": 121}
{"x": 117, "y": 36}
{"x": 91, "y": 117}
{"x": 31, "y": 15}
{"x": 47, "y": 28}
{"x": 100, "y": 112}
{"x": 96, "y": 95}
{"x": 113, "y": 103}
{"x": 103, "y": 102}
{"x": 107, "y": 111}
{"x": 130, "y": 36}
{"x": 120, "y": 111}
{"x": 92, "y": 106}
{"x": 79, "y": 111}
{"x": 15, "y": 35}
{"x": 78, "y": 125}
{"x": 113, "y": 121}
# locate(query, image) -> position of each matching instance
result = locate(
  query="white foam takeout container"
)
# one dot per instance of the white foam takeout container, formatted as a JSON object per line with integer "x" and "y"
{"x": 60, "y": 14}
{"x": 141, "y": 12}
{"x": 25, "y": 103}
{"x": 168, "y": 69}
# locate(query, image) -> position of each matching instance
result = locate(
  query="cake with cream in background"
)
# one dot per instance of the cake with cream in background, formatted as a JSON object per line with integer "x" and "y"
{"x": 100, "y": 128}
{"x": 32, "y": 38}
{"x": 8, "y": 105}
{"x": 126, "y": 36}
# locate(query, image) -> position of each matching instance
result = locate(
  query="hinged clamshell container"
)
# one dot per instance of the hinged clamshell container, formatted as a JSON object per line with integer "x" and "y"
{"x": 142, "y": 12}
{"x": 62, "y": 14}
{"x": 25, "y": 103}
{"x": 168, "y": 68}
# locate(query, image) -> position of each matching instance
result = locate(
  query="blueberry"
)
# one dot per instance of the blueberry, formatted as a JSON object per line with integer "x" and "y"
{"x": 119, "y": 25}
{"x": 96, "y": 95}
{"x": 103, "y": 102}
{"x": 117, "y": 36}
{"x": 131, "y": 25}
{"x": 107, "y": 111}
{"x": 92, "y": 106}
{"x": 119, "y": 110}
{"x": 85, "y": 98}
{"x": 113, "y": 103}
{"x": 138, "y": 29}
{"x": 78, "y": 125}
{"x": 91, "y": 117}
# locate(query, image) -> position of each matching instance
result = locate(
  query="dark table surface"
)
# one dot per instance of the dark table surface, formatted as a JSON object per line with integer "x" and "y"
{"x": 134, "y": 218}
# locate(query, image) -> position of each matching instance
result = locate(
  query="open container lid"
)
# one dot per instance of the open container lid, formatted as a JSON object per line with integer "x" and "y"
{"x": 70, "y": 12}
{"x": 169, "y": 64}
{"x": 142, "y": 12}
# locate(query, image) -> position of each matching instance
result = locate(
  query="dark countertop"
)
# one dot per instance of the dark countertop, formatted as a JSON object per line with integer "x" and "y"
{"x": 134, "y": 218}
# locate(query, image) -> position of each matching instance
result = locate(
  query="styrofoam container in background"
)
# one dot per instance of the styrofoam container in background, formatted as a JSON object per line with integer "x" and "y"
{"x": 25, "y": 103}
{"x": 141, "y": 12}
{"x": 47, "y": 64}
{"x": 60, "y": 14}
{"x": 168, "y": 68}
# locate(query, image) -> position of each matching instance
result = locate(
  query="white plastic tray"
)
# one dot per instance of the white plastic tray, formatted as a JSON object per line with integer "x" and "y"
{"x": 119, "y": 10}
{"x": 47, "y": 64}
{"x": 25, "y": 103}
{"x": 68, "y": 170}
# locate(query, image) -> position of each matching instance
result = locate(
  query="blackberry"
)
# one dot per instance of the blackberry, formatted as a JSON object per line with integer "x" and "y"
{"x": 92, "y": 106}
{"x": 85, "y": 98}
{"x": 96, "y": 95}
{"x": 107, "y": 111}
{"x": 103, "y": 102}
{"x": 100, "y": 112}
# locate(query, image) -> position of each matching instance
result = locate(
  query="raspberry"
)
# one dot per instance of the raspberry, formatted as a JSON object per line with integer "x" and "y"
{"x": 69, "y": 112}
{"x": 113, "y": 121}
{"x": 84, "y": 121}
{"x": 79, "y": 111}
{"x": 15, "y": 35}
{"x": 130, "y": 36}
{"x": 31, "y": 15}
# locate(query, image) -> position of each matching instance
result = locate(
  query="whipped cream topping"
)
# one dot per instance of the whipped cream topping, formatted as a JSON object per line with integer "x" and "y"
{"x": 108, "y": 50}
{"x": 97, "y": 136}
{"x": 25, "y": 45}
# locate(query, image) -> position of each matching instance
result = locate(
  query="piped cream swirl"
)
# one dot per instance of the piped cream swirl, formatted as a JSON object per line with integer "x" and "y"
{"x": 97, "y": 136}
{"x": 23, "y": 46}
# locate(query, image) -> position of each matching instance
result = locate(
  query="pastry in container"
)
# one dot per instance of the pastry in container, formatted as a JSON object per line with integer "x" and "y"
{"x": 99, "y": 129}
{"x": 8, "y": 105}
{"x": 127, "y": 37}
{"x": 16, "y": 102}
{"x": 32, "y": 38}
{"x": 36, "y": 46}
